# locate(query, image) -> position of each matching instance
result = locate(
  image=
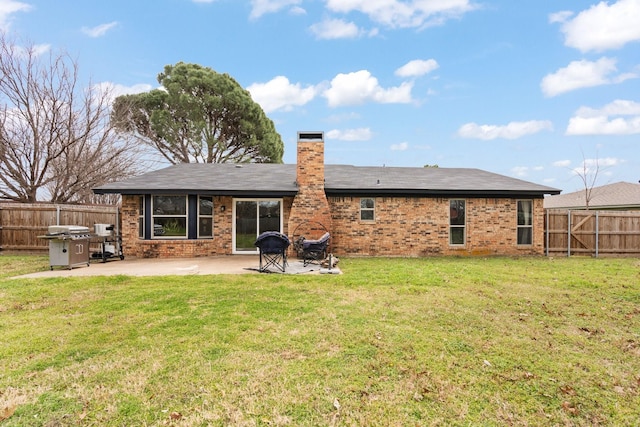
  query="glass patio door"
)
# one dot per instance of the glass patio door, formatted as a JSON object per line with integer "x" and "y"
{"x": 253, "y": 217}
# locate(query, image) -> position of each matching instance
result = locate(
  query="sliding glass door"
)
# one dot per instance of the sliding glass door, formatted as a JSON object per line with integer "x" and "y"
{"x": 253, "y": 217}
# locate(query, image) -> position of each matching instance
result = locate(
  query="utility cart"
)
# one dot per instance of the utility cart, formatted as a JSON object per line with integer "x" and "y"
{"x": 107, "y": 243}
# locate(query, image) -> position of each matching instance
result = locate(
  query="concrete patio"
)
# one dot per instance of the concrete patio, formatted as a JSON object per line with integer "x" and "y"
{"x": 231, "y": 264}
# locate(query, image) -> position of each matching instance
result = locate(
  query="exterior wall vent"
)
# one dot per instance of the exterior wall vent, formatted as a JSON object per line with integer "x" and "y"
{"x": 310, "y": 136}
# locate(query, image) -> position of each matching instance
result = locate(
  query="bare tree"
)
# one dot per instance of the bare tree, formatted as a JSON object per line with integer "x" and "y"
{"x": 56, "y": 138}
{"x": 589, "y": 176}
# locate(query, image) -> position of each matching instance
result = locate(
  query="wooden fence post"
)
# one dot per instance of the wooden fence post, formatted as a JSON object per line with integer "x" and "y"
{"x": 568, "y": 233}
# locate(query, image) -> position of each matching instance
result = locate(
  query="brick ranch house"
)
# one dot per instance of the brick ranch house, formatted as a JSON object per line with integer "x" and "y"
{"x": 189, "y": 210}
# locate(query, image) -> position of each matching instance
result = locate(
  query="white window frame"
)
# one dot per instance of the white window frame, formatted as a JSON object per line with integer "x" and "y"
{"x": 185, "y": 216}
{"x": 365, "y": 209}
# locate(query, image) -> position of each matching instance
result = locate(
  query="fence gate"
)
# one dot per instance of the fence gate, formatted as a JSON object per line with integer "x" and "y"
{"x": 592, "y": 233}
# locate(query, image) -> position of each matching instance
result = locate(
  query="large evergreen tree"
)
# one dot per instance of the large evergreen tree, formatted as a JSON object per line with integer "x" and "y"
{"x": 199, "y": 116}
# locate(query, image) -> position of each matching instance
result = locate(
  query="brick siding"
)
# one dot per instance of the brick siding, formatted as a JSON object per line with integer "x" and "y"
{"x": 220, "y": 244}
{"x": 403, "y": 226}
{"x": 419, "y": 226}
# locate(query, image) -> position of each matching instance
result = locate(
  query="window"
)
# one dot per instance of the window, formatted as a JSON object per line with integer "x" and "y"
{"x": 169, "y": 216}
{"x": 456, "y": 222}
{"x": 205, "y": 217}
{"x": 367, "y": 209}
{"x": 141, "y": 217}
{"x": 253, "y": 217}
{"x": 525, "y": 222}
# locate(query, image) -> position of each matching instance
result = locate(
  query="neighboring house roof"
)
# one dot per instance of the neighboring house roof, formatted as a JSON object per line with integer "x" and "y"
{"x": 621, "y": 195}
{"x": 271, "y": 180}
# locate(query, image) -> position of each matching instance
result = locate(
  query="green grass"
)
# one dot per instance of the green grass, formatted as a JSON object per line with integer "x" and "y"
{"x": 393, "y": 342}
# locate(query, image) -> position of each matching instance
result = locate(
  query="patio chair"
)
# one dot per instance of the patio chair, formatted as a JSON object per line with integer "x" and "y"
{"x": 273, "y": 250}
{"x": 312, "y": 250}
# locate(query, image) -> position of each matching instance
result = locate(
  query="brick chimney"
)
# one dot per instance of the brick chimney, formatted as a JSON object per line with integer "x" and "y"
{"x": 310, "y": 213}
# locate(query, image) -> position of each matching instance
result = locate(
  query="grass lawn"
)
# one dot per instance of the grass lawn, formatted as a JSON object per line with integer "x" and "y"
{"x": 391, "y": 342}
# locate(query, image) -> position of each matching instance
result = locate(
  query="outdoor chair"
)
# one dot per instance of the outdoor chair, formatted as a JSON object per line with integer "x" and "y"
{"x": 312, "y": 250}
{"x": 273, "y": 250}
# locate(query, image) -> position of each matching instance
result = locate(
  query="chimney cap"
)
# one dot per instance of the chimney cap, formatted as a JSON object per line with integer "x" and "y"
{"x": 310, "y": 136}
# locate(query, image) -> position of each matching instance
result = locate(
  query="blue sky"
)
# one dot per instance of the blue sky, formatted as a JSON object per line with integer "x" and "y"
{"x": 528, "y": 88}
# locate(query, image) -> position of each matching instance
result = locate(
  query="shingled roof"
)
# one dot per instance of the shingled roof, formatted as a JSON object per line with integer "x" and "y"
{"x": 620, "y": 195}
{"x": 277, "y": 180}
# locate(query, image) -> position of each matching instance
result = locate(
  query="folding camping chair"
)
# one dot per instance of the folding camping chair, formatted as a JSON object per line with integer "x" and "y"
{"x": 312, "y": 250}
{"x": 273, "y": 250}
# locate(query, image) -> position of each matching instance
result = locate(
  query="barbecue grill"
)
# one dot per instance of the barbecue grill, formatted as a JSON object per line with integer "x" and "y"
{"x": 68, "y": 245}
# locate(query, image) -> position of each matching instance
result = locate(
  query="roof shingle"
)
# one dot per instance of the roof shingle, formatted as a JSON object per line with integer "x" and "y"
{"x": 279, "y": 179}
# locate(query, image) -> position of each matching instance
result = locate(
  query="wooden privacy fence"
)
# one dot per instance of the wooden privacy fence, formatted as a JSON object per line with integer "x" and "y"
{"x": 567, "y": 232}
{"x": 592, "y": 233}
{"x": 22, "y": 223}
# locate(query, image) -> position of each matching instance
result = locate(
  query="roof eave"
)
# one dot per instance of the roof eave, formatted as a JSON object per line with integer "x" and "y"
{"x": 595, "y": 208}
{"x": 439, "y": 193}
{"x": 182, "y": 191}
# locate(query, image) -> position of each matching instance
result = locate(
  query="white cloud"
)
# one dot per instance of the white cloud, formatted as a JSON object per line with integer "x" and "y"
{"x": 262, "y": 7}
{"x": 562, "y": 163}
{"x": 338, "y": 118}
{"x": 417, "y": 67}
{"x": 35, "y": 50}
{"x": 620, "y": 117}
{"x": 512, "y": 130}
{"x": 360, "y": 134}
{"x": 605, "y": 162}
{"x": 595, "y": 166}
{"x": 604, "y": 26}
{"x": 7, "y": 8}
{"x": 399, "y": 14}
{"x": 335, "y": 29}
{"x": 520, "y": 171}
{"x": 403, "y": 146}
{"x": 280, "y": 94}
{"x": 40, "y": 49}
{"x": 523, "y": 171}
{"x": 115, "y": 89}
{"x": 203, "y": 1}
{"x": 581, "y": 74}
{"x": 100, "y": 30}
{"x": 297, "y": 10}
{"x": 560, "y": 16}
{"x": 360, "y": 86}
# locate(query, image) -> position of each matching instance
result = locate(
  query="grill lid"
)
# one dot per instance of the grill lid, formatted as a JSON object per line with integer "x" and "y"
{"x": 68, "y": 229}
